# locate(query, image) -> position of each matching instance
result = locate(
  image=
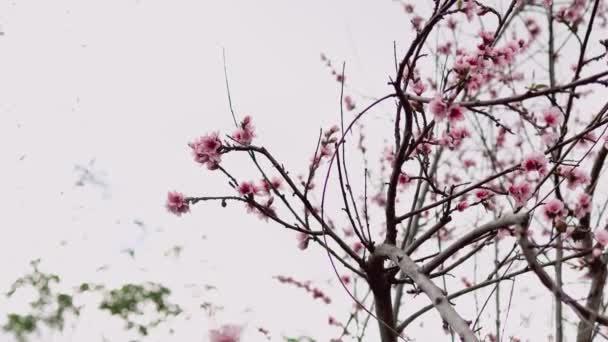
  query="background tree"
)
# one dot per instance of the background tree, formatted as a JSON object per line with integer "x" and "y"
{"x": 465, "y": 165}
{"x": 493, "y": 147}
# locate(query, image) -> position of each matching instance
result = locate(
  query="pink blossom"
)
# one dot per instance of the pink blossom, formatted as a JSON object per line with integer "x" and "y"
{"x": 176, "y": 203}
{"x": 445, "y": 48}
{"x": 535, "y": 161}
{"x": 424, "y": 148}
{"x": 460, "y": 65}
{"x": 455, "y": 113}
{"x": 267, "y": 186}
{"x": 520, "y": 192}
{"x": 264, "y": 211}
{"x": 348, "y": 232}
{"x": 467, "y": 163}
{"x": 550, "y": 138}
{"x": 501, "y": 139}
{"x": 349, "y": 102}
{"x": 417, "y": 22}
{"x": 575, "y": 176}
{"x": 357, "y": 247}
{"x": 505, "y": 55}
{"x": 532, "y": 27}
{"x": 487, "y": 37}
{"x": 482, "y": 194}
{"x": 601, "y": 236}
{"x": 438, "y": 107}
{"x": 206, "y": 150}
{"x": 606, "y": 142}
{"x": 228, "y": 333}
{"x": 404, "y": 179}
{"x": 244, "y": 134}
{"x": 468, "y": 8}
{"x": 589, "y": 137}
{"x": 554, "y": 209}
{"x": 453, "y": 138}
{"x": 419, "y": 87}
{"x": 379, "y": 199}
{"x": 552, "y": 117}
{"x": 247, "y": 189}
{"x": 462, "y": 205}
{"x": 582, "y": 206}
{"x": 302, "y": 241}
{"x": 572, "y": 13}
{"x": 474, "y": 82}
{"x": 452, "y": 23}
{"x": 596, "y": 252}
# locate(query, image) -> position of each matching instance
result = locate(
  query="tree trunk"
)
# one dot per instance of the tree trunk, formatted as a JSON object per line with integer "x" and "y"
{"x": 598, "y": 271}
{"x": 381, "y": 290}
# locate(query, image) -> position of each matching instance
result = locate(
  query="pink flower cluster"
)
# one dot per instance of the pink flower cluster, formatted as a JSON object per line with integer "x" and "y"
{"x": 249, "y": 190}
{"x": 536, "y": 161}
{"x": 206, "y": 150}
{"x": 532, "y": 27}
{"x": 315, "y": 292}
{"x": 349, "y": 103}
{"x": 453, "y": 138}
{"x": 582, "y": 206}
{"x": 552, "y": 117}
{"x": 462, "y": 205}
{"x": 601, "y": 236}
{"x": 442, "y": 110}
{"x": 501, "y": 138}
{"x": 404, "y": 180}
{"x": 325, "y": 148}
{"x": 265, "y": 187}
{"x": 227, "y": 333}
{"x": 245, "y": 133}
{"x": 474, "y": 67}
{"x": 419, "y": 87}
{"x": 176, "y": 203}
{"x": 521, "y": 192}
{"x": 469, "y": 9}
{"x": 554, "y": 209}
{"x": 573, "y": 13}
{"x": 575, "y": 176}
{"x": 483, "y": 194}
{"x": 445, "y": 49}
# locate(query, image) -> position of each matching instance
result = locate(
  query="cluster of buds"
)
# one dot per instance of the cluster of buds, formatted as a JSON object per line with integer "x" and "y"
{"x": 315, "y": 292}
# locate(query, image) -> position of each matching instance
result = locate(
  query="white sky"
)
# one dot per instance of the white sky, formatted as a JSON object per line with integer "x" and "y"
{"x": 128, "y": 83}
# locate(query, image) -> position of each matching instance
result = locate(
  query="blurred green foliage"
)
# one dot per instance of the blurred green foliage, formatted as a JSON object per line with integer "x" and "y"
{"x": 140, "y": 306}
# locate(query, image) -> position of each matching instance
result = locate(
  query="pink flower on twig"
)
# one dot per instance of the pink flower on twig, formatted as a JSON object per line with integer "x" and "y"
{"x": 227, "y": 333}
{"x": 554, "y": 209}
{"x": 245, "y": 133}
{"x": 176, "y": 203}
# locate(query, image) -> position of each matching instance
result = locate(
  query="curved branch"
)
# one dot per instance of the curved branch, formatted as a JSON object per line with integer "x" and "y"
{"x": 488, "y": 282}
{"x": 437, "y": 297}
{"x": 528, "y": 251}
{"x": 504, "y": 221}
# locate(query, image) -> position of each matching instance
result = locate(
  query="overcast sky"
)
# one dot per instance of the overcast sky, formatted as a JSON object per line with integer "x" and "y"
{"x": 119, "y": 87}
